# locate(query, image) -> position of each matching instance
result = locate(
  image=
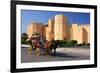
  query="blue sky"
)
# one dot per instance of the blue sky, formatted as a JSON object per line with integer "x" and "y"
{"x": 28, "y": 16}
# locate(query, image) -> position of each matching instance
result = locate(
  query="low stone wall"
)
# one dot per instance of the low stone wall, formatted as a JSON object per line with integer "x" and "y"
{"x": 24, "y": 45}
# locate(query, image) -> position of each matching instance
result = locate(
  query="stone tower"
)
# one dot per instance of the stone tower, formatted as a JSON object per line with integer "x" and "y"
{"x": 50, "y": 30}
{"x": 60, "y": 27}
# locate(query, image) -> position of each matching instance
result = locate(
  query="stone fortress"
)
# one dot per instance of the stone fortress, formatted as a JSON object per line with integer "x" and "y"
{"x": 59, "y": 29}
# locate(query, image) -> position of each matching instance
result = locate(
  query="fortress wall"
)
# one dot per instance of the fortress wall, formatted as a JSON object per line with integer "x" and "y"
{"x": 77, "y": 33}
{"x": 85, "y": 36}
{"x": 87, "y": 31}
{"x": 44, "y": 31}
{"x": 47, "y": 33}
{"x": 80, "y": 33}
{"x": 59, "y": 29}
{"x": 51, "y": 25}
{"x": 87, "y": 28}
{"x": 30, "y": 31}
{"x": 35, "y": 28}
{"x": 69, "y": 33}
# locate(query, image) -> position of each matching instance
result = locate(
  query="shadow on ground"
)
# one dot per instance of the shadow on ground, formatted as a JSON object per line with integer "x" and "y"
{"x": 64, "y": 55}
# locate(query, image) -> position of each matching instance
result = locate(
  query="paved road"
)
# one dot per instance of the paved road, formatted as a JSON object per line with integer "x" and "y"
{"x": 63, "y": 54}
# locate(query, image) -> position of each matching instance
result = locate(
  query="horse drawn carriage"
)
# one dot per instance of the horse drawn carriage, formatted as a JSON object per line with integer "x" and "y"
{"x": 39, "y": 46}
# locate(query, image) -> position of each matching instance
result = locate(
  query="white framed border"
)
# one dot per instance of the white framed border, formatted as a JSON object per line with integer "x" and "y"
{"x": 51, "y": 64}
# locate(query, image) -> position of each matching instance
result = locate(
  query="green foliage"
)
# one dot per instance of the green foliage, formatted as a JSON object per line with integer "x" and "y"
{"x": 74, "y": 42}
{"x": 24, "y": 37}
{"x": 65, "y": 43}
{"x": 23, "y": 41}
{"x": 71, "y": 43}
